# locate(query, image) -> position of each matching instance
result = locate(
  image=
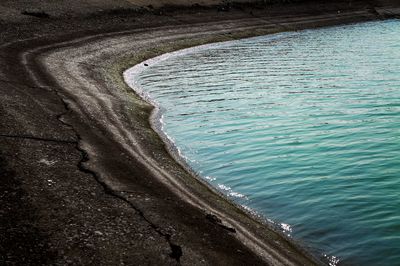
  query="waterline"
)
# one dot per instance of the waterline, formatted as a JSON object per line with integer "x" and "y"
{"x": 307, "y": 134}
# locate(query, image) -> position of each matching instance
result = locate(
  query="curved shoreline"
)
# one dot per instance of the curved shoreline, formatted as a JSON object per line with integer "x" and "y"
{"x": 227, "y": 217}
{"x": 155, "y": 117}
{"x": 156, "y": 123}
{"x": 256, "y": 244}
{"x": 115, "y": 155}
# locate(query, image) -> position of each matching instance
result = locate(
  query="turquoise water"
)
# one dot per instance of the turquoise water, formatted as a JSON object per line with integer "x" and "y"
{"x": 302, "y": 127}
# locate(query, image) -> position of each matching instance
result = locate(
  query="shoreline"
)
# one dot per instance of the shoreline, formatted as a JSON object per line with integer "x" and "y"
{"x": 93, "y": 140}
{"x": 156, "y": 125}
{"x": 221, "y": 215}
{"x": 129, "y": 77}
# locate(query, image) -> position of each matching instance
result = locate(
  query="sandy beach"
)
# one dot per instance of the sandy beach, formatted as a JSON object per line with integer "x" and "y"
{"x": 86, "y": 178}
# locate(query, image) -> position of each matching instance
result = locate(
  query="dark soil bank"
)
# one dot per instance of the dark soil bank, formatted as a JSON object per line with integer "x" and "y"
{"x": 83, "y": 183}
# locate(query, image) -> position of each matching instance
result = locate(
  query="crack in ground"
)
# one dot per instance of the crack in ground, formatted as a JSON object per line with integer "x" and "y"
{"x": 176, "y": 250}
{"x": 12, "y": 82}
{"x": 37, "y": 138}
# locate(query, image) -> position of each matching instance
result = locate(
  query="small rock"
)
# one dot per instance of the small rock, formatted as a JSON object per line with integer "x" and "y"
{"x": 98, "y": 233}
{"x": 47, "y": 162}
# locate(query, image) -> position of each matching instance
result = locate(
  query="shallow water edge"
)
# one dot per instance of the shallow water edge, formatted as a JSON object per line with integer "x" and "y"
{"x": 209, "y": 39}
{"x": 175, "y": 66}
{"x": 156, "y": 122}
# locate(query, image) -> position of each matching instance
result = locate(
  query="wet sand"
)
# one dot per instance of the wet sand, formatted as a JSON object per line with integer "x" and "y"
{"x": 87, "y": 180}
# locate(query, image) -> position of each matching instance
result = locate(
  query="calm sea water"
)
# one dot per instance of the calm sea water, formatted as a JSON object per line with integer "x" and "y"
{"x": 302, "y": 127}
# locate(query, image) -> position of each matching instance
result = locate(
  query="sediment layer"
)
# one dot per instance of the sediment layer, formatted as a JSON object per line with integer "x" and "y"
{"x": 86, "y": 179}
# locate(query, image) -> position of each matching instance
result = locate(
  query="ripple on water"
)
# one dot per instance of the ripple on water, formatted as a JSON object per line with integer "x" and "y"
{"x": 303, "y": 128}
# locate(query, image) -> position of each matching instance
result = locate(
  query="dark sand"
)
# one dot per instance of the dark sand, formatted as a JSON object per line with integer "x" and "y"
{"x": 85, "y": 180}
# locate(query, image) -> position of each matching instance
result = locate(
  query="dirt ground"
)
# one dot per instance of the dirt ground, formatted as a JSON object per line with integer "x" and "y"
{"x": 84, "y": 179}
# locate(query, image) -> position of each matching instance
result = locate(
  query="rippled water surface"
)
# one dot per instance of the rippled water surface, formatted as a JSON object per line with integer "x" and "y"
{"x": 302, "y": 127}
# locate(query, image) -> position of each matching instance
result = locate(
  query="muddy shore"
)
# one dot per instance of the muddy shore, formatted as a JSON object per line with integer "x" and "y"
{"x": 85, "y": 179}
